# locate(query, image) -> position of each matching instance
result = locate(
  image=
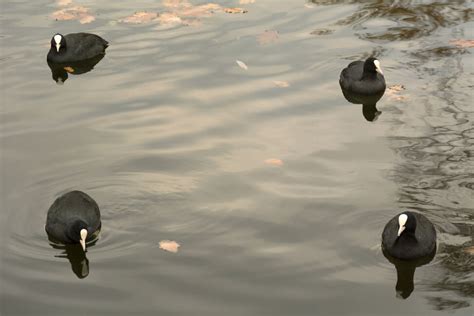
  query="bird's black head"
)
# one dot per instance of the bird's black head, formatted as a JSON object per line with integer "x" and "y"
{"x": 58, "y": 43}
{"x": 372, "y": 66}
{"x": 77, "y": 232}
{"x": 406, "y": 223}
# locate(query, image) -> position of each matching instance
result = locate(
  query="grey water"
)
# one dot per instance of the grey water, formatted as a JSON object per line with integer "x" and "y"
{"x": 170, "y": 137}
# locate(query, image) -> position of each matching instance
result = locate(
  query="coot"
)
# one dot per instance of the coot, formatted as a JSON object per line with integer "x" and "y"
{"x": 409, "y": 236}
{"x": 363, "y": 78}
{"x": 75, "y": 47}
{"x": 73, "y": 218}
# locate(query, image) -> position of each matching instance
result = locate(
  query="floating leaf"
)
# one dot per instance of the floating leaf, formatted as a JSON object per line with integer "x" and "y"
{"x": 396, "y": 88}
{"x": 469, "y": 250}
{"x": 184, "y": 8}
{"x": 462, "y": 43}
{"x": 180, "y": 12}
{"x": 281, "y": 84}
{"x": 86, "y": 19}
{"x": 63, "y": 3}
{"x": 176, "y": 3}
{"x": 74, "y": 13}
{"x": 267, "y": 37}
{"x": 69, "y": 69}
{"x": 246, "y": 1}
{"x": 242, "y": 64}
{"x": 140, "y": 17}
{"x": 203, "y": 10}
{"x": 274, "y": 162}
{"x": 393, "y": 92}
{"x": 235, "y": 10}
{"x": 169, "y": 245}
{"x": 169, "y": 18}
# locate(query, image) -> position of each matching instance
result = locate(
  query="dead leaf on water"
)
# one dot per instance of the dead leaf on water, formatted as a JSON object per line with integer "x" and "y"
{"x": 79, "y": 13}
{"x": 235, "y": 10}
{"x": 140, "y": 17}
{"x": 281, "y": 84}
{"x": 242, "y": 64}
{"x": 63, "y": 3}
{"x": 394, "y": 90}
{"x": 246, "y": 1}
{"x": 462, "y": 43}
{"x": 180, "y": 12}
{"x": 267, "y": 37}
{"x": 168, "y": 18}
{"x": 176, "y": 3}
{"x": 69, "y": 69}
{"x": 169, "y": 245}
{"x": 470, "y": 250}
{"x": 274, "y": 162}
{"x": 184, "y": 8}
{"x": 86, "y": 19}
{"x": 177, "y": 12}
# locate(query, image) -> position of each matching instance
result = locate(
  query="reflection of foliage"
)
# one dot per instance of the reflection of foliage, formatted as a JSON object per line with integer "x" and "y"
{"x": 435, "y": 172}
{"x": 433, "y": 138}
{"x": 460, "y": 264}
{"x": 413, "y": 18}
{"x": 442, "y": 303}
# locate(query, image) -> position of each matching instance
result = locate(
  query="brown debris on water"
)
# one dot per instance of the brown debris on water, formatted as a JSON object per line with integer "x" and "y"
{"x": 140, "y": 17}
{"x": 274, "y": 162}
{"x": 169, "y": 245}
{"x": 463, "y": 43}
{"x": 179, "y": 12}
{"x": 235, "y": 10}
{"x": 69, "y": 11}
{"x": 394, "y": 90}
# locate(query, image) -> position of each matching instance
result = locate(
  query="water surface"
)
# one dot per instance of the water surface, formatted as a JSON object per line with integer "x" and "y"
{"x": 170, "y": 136}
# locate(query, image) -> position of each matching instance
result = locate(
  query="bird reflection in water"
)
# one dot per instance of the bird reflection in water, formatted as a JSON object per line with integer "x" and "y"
{"x": 76, "y": 256}
{"x": 406, "y": 272}
{"x": 369, "y": 102}
{"x": 61, "y": 71}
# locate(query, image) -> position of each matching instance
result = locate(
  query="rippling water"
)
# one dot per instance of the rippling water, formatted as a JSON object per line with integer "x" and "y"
{"x": 170, "y": 136}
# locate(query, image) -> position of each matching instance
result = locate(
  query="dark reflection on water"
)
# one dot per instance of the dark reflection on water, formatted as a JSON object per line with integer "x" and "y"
{"x": 436, "y": 171}
{"x": 369, "y": 103}
{"x": 77, "y": 258}
{"x": 406, "y": 272}
{"x": 403, "y": 19}
{"x": 76, "y": 255}
{"x": 60, "y": 71}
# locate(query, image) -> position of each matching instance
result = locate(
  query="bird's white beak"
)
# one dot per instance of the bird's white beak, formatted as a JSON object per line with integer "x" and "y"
{"x": 57, "y": 47}
{"x": 377, "y": 67}
{"x": 400, "y": 230}
{"x": 83, "y": 238}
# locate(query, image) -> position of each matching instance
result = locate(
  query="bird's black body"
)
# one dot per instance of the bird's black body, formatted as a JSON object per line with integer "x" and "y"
{"x": 69, "y": 214}
{"x": 361, "y": 78}
{"x": 76, "y": 47}
{"x": 416, "y": 241}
